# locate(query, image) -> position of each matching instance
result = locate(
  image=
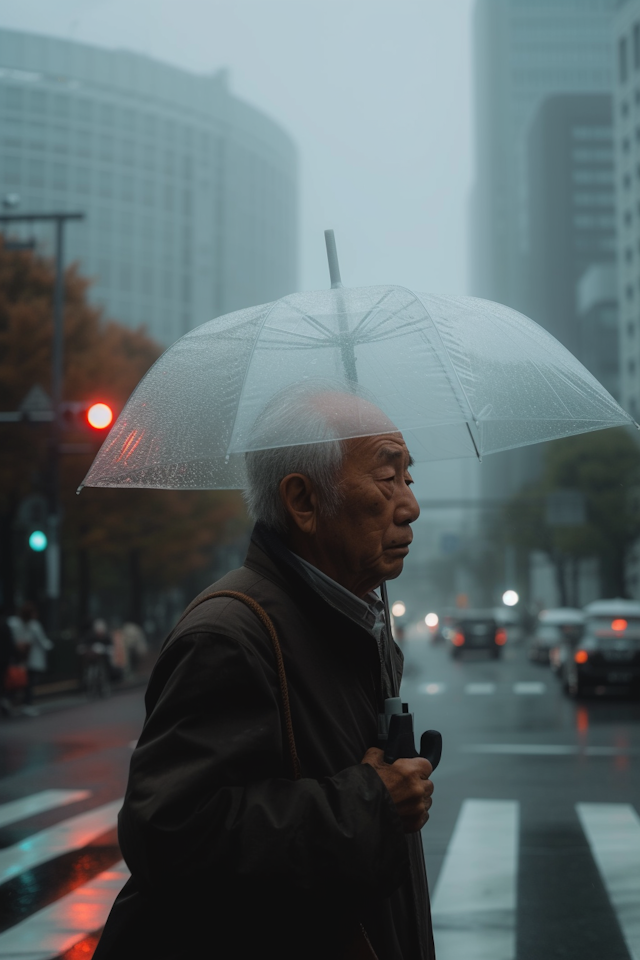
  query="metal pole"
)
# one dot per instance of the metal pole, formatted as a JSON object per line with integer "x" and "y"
{"x": 53, "y": 549}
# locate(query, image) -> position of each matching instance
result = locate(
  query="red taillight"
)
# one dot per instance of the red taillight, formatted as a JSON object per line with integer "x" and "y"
{"x": 581, "y": 656}
{"x": 458, "y": 639}
{"x": 501, "y": 637}
{"x": 619, "y": 624}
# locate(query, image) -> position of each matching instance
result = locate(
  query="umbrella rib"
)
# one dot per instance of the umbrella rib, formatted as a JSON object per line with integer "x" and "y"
{"x": 302, "y": 336}
{"x": 372, "y": 311}
{"x": 469, "y": 412}
{"x": 312, "y": 320}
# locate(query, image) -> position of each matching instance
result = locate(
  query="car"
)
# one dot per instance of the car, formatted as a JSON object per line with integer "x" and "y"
{"x": 475, "y": 630}
{"x": 555, "y": 628}
{"x": 607, "y": 657}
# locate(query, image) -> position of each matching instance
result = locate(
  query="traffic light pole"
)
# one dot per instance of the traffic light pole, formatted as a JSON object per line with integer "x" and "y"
{"x": 53, "y": 549}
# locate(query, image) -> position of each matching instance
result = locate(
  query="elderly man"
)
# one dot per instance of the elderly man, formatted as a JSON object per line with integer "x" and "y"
{"x": 232, "y": 853}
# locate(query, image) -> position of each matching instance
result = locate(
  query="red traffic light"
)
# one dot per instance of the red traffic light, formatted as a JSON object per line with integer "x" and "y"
{"x": 99, "y": 416}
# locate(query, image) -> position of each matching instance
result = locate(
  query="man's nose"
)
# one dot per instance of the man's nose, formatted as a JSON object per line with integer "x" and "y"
{"x": 407, "y": 509}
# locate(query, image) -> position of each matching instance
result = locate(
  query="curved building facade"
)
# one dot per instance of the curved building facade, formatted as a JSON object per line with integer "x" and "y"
{"x": 190, "y": 194}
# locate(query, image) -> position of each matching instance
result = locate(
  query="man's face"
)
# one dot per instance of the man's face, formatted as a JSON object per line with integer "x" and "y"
{"x": 367, "y": 540}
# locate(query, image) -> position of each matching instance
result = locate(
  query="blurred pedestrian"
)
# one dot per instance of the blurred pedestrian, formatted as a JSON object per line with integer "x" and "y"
{"x": 36, "y": 659}
{"x": 7, "y": 655}
{"x": 136, "y": 645}
{"x": 260, "y": 818}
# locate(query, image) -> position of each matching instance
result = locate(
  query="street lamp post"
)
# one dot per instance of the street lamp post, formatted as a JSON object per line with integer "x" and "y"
{"x": 53, "y": 547}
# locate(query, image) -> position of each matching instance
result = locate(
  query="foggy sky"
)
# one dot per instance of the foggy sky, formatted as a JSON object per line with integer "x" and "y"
{"x": 375, "y": 93}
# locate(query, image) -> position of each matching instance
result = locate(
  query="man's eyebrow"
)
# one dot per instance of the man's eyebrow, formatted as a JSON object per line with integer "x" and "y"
{"x": 392, "y": 453}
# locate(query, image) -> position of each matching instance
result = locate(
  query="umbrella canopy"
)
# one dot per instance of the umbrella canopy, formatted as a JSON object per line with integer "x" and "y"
{"x": 459, "y": 376}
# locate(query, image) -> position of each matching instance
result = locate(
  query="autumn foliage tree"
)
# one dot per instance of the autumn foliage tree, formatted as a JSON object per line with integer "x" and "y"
{"x": 126, "y": 541}
{"x": 605, "y": 468}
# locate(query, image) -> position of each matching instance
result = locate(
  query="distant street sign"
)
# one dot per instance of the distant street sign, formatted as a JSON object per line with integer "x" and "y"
{"x": 566, "y": 508}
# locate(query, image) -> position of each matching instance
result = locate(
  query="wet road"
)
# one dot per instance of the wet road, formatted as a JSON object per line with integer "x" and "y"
{"x": 533, "y": 846}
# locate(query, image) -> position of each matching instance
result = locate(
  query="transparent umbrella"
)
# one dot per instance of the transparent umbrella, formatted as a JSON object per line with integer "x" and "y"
{"x": 459, "y": 376}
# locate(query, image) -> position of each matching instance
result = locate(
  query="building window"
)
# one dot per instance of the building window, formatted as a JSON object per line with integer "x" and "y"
{"x": 631, "y": 328}
{"x": 627, "y": 217}
{"x": 629, "y": 292}
{"x": 624, "y": 108}
{"x": 628, "y": 255}
{"x": 626, "y": 143}
{"x": 631, "y": 366}
{"x": 623, "y": 66}
{"x": 627, "y": 181}
{"x": 636, "y": 46}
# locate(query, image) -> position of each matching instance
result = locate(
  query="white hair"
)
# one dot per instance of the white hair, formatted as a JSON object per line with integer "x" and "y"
{"x": 292, "y": 413}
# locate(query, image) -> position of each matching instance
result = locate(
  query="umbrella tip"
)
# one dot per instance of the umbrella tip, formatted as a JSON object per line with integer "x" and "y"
{"x": 332, "y": 257}
{"x": 80, "y": 489}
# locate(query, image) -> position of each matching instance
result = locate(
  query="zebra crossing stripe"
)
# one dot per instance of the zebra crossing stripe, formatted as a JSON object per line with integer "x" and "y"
{"x": 613, "y": 832}
{"x": 71, "y": 834}
{"x": 51, "y": 931}
{"x": 480, "y": 689}
{"x": 29, "y": 806}
{"x": 474, "y": 907}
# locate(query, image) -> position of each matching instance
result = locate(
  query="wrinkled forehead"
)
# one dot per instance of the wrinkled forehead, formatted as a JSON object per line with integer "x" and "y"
{"x": 350, "y": 415}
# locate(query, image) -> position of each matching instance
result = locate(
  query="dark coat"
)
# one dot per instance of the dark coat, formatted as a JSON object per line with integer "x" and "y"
{"x": 230, "y": 857}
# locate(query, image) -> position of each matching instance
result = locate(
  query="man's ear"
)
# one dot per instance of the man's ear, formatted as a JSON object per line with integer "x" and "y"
{"x": 299, "y": 499}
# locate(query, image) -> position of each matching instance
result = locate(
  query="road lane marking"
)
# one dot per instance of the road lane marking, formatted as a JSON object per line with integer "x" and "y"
{"x": 71, "y": 834}
{"x": 474, "y": 907}
{"x": 51, "y": 931}
{"x": 547, "y": 749}
{"x": 431, "y": 688}
{"x": 480, "y": 689}
{"x": 528, "y": 687}
{"x": 613, "y": 832}
{"x": 37, "y": 803}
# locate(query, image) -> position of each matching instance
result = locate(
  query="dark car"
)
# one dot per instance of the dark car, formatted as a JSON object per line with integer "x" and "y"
{"x": 476, "y": 630}
{"x": 607, "y": 658}
{"x": 555, "y": 629}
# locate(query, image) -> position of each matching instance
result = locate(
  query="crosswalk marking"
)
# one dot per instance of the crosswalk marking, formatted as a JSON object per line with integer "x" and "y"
{"x": 548, "y": 749}
{"x": 480, "y": 689}
{"x": 51, "y": 931}
{"x": 529, "y": 687}
{"x": 16, "y": 810}
{"x": 613, "y": 832}
{"x": 474, "y": 905}
{"x": 71, "y": 834}
{"x": 431, "y": 688}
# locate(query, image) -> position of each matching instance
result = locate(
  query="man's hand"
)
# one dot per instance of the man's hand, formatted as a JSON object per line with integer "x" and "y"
{"x": 408, "y": 783}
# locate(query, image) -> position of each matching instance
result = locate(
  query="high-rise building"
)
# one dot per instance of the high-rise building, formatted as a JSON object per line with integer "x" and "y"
{"x": 190, "y": 194}
{"x": 525, "y": 51}
{"x": 627, "y": 164}
{"x": 571, "y": 250}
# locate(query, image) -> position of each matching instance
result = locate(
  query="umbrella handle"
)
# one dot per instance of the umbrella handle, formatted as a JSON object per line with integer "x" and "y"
{"x": 400, "y": 741}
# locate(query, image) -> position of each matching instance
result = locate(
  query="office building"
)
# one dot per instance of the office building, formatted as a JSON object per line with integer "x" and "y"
{"x": 525, "y": 52}
{"x": 571, "y": 258}
{"x": 626, "y": 41}
{"x": 190, "y": 194}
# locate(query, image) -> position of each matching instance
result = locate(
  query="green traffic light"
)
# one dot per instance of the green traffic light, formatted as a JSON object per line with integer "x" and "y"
{"x": 38, "y": 541}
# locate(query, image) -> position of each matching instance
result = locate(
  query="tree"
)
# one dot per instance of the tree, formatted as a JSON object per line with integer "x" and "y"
{"x": 158, "y": 537}
{"x": 605, "y": 468}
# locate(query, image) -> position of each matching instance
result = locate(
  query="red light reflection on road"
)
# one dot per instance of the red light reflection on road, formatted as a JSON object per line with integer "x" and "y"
{"x": 582, "y": 720}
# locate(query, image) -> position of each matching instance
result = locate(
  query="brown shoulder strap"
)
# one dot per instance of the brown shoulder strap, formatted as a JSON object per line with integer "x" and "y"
{"x": 266, "y": 621}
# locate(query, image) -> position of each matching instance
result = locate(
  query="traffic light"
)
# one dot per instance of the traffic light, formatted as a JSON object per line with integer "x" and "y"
{"x": 38, "y": 541}
{"x": 85, "y": 415}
